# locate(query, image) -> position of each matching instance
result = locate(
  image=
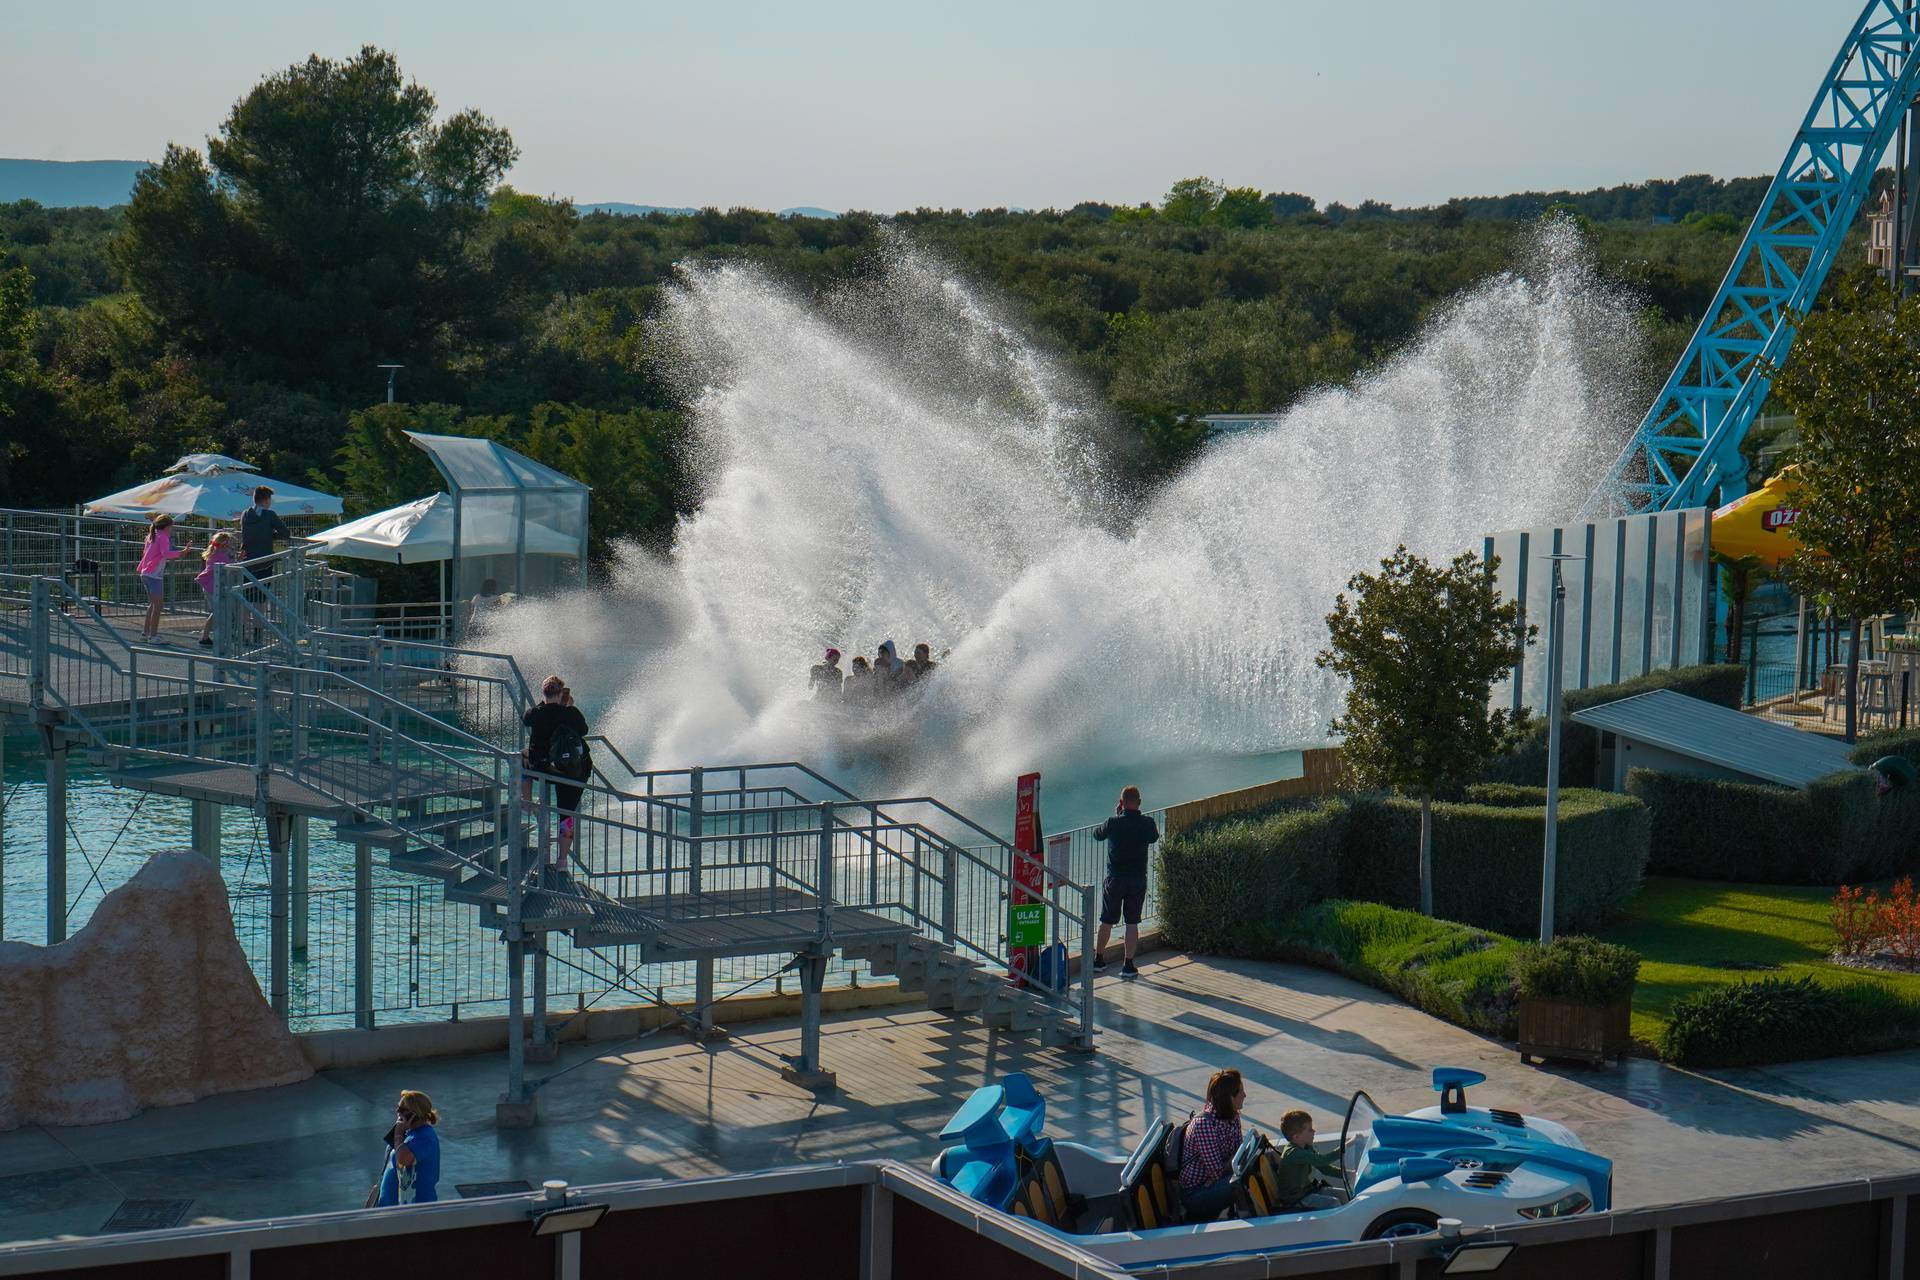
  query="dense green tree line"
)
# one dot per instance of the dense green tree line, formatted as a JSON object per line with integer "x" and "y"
{"x": 339, "y": 220}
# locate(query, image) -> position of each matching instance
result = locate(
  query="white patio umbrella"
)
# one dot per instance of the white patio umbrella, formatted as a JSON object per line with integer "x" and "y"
{"x": 421, "y": 532}
{"x": 214, "y": 488}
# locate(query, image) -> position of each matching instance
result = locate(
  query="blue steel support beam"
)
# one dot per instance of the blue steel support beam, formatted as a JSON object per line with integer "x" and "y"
{"x": 1688, "y": 445}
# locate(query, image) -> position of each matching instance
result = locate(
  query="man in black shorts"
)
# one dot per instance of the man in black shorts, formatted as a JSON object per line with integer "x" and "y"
{"x": 1128, "y": 834}
{"x": 557, "y": 748}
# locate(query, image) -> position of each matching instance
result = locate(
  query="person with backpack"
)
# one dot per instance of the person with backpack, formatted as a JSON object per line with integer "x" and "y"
{"x": 557, "y": 749}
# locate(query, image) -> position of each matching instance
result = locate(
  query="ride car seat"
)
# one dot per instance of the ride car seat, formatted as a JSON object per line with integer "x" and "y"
{"x": 1148, "y": 1197}
{"x": 1256, "y": 1178}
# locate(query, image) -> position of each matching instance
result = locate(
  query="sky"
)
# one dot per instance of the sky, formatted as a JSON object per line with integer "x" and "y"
{"x": 855, "y": 104}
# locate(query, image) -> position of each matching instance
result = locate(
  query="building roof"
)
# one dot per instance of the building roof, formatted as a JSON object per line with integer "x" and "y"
{"x": 1720, "y": 736}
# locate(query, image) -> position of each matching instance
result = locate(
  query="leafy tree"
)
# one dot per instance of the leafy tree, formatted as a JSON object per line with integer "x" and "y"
{"x": 1420, "y": 648}
{"x": 1853, "y": 385}
{"x": 1242, "y": 207}
{"x": 380, "y": 468}
{"x": 1290, "y": 204}
{"x": 628, "y": 458}
{"x": 1191, "y": 201}
{"x": 332, "y": 224}
{"x": 18, "y": 321}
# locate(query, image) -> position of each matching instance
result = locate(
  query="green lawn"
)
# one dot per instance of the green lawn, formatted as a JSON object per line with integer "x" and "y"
{"x": 1695, "y": 934}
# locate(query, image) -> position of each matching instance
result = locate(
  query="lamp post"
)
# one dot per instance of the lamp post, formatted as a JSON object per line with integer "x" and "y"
{"x": 1556, "y": 628}
{"x": 393, "y": 372}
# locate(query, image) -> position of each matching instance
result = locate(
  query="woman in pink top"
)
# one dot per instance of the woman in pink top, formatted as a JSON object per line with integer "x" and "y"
{"x": 153, "y": 568}
{"x": 219, "y": 552}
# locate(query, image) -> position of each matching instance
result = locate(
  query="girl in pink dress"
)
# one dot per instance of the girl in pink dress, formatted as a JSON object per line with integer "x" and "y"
{"x": 219, "y": 552}
{"x": 153, "y": 569}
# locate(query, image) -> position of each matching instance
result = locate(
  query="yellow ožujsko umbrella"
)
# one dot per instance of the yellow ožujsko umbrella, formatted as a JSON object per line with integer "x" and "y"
{"x": 1760, "y": 525}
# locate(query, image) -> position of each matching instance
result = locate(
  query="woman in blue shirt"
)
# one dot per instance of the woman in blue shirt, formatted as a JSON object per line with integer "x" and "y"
{"x": 413, "y": 1164}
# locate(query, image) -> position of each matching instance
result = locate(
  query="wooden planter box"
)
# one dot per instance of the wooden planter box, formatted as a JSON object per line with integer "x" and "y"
{"x": 1553, "y": 1028}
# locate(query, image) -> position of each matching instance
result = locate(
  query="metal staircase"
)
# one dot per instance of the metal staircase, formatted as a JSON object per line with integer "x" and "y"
{"x": 414, "y": 750}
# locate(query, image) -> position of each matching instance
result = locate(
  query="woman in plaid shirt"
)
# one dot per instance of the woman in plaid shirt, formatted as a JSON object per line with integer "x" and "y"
{"x": 1206, "y": 1157}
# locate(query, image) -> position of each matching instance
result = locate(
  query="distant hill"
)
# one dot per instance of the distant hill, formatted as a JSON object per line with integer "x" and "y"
{"x": 641, "y": 210}
{"x": 63, "y": 184}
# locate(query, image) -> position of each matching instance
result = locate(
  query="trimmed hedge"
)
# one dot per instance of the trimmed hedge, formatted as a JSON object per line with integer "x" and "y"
{"x": 1448, "y": 970}
{"x": 1226, "y": 885}
{"x": 1576, "y": 968}
{"x": 1486, "y": 856}
{"x": 1888, "y": 742}
{"x": 1526, "y": 765}
{"x": 1838, "y": 829}
{"x": 1784, "y": 1019}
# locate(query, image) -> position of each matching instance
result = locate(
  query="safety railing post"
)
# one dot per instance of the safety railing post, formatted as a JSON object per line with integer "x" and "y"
{"x": 696, "y": 826}
{"x": 823, "y": 874}
{"x": 262, "y": 726}
{"x": 376, "y": 677}
{"x": 1088, "y": 908}
{"x": 39, "y": 659}
{"x": 133, "y": 698}
{"x": 362, "y": 934}
{"x": 949, "y": 891}
{"x": 515, "y": 934}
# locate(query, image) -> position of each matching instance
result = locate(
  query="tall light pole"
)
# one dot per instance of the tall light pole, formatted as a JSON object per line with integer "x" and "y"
{"x": 1556, "y": 627}
{"x": 393, "y": 372}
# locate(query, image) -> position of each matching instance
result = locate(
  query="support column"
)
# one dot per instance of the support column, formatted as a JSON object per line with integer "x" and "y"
{"x": 206, "y": 829}
{"x": 298, "y": 849}
{"x": 517, "y": 1108}
{"x": 279, "y": 950}
{"x": 56, "y": 837}
{"x": 540, "y": 1042}
{"x": 3, "y": 830}
{"x": 362, "y": 935}
{"x": 703, "y": 997}
{"x": 804, "y": 1068}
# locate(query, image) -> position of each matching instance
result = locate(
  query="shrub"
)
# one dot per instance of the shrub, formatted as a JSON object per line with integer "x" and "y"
{"x": 1487, "y": 851}
{"x": 1526, "y": 764}
{"x": 1783, "y": 1019}
{"x": 1867, "y": 924}
{"x": 1888, "y": 742}
{"x": 1449, "y": 970}
{"x": 1717, "y": 829}
{"x": 1226, "y": 885}
{"x": 1576, "y": 968}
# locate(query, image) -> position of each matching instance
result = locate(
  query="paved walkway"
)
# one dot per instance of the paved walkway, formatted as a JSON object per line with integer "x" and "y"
{"x": 663, "y": 1107}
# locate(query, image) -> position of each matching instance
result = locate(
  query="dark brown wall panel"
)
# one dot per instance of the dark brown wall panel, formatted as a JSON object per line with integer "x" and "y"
{"x": 803, "y": 1233}
{"x": 927, "y": 1246}
{"x": 1837, "y": 1243}
{"x": 505, "y": 1252}
{"x": 1627, "y": 1257}
{"x": 214, "y": 1268}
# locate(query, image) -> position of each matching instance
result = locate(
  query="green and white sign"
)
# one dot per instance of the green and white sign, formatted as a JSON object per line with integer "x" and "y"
{"x": 1027, "y": 924}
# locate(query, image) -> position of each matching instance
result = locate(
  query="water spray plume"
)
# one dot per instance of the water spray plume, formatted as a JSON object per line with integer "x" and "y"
{"x": 901, "y": 463}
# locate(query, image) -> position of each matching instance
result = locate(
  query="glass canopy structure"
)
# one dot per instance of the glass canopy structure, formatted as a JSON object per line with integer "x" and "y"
{"x": 519, "y": 528}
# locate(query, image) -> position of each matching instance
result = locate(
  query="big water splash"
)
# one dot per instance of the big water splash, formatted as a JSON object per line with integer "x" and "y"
{"x": 902, "y": 463}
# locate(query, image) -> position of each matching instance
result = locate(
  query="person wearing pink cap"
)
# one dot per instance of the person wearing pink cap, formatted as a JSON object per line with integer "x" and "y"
{"x": 826, "y": 677}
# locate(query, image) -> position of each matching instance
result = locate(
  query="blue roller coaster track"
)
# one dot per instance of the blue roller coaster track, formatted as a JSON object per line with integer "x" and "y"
{"x": 1687, "y": 448}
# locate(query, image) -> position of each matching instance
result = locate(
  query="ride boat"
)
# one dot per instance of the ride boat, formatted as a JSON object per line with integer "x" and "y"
{"x": 1400, "y": 1175}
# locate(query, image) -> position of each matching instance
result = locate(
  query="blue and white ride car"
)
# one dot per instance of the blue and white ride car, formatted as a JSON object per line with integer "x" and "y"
{"x": 1401, "y": 1175}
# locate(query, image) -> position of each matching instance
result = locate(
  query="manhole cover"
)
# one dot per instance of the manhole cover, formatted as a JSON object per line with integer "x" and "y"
{"x": 147, "y": 1215}
{"x": 474, "y": 1190}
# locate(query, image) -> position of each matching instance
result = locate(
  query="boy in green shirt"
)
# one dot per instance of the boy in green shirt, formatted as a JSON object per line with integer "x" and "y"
{"x": 1298, "y": 1164}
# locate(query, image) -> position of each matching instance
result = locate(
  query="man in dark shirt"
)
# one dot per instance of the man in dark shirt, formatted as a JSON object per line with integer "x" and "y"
{"x": 557, "y": 718}
{"x": 260, "y": 524}
{"x": 1128, "y": 835}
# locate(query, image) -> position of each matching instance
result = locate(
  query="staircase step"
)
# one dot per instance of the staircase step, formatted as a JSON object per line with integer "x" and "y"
{"x": 399, "y": 830}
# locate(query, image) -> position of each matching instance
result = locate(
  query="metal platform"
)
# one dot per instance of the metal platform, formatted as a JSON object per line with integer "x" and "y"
{"x": 347, "y": 783}
{"x": 737, "y": 922}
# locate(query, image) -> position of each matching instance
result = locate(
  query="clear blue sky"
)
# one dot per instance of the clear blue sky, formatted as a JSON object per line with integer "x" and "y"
{"x": 1041, "y": 102}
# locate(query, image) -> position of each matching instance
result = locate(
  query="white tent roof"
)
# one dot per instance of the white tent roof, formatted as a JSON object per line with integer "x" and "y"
{"x": 421, "y": 532}
{"x": 218, "y": 493}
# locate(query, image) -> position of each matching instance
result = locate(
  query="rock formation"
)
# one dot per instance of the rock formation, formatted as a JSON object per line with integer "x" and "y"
{"x": 150, "y": 1005}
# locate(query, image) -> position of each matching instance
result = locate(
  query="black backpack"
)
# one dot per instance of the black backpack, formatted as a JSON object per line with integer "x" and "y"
{"x": 567, "y": 752}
